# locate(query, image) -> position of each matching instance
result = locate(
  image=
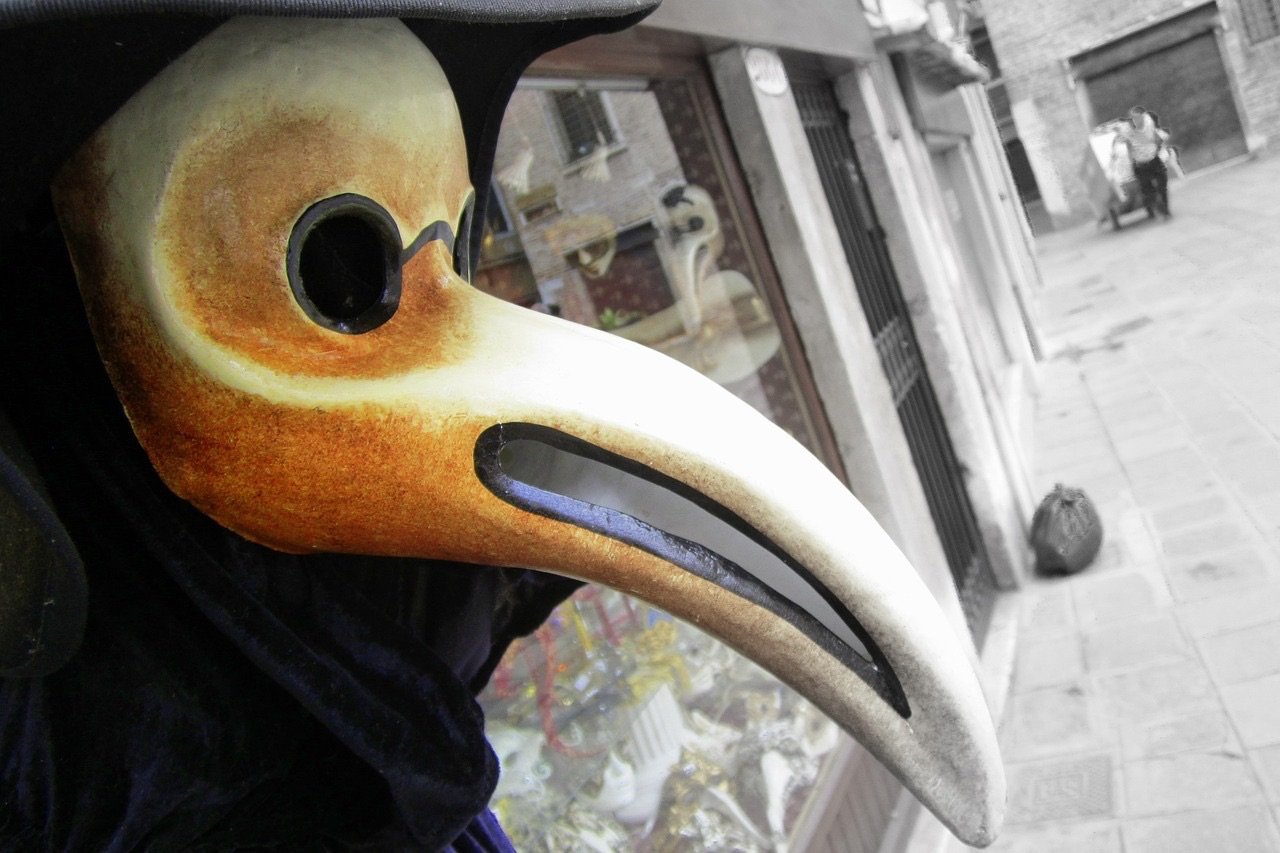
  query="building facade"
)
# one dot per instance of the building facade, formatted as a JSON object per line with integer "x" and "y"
{"x": 1210, "y": 70}
{"x": 809, "y": 203}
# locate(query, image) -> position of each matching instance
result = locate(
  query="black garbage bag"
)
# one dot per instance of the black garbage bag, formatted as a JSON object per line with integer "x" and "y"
{"x": 1066, "y": 532}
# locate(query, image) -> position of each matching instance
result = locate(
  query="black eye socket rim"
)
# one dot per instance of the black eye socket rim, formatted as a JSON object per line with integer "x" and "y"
{"x": 372, "y": 213}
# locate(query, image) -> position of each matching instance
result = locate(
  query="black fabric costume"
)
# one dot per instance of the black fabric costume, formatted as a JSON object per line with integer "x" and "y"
{"x": 228, "y": 696}
{"x": 225, "y": 696}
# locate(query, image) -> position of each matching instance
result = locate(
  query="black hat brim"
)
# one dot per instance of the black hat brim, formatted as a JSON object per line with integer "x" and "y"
{"x": 20, "y": 12}
{"x": 68, "y": 65}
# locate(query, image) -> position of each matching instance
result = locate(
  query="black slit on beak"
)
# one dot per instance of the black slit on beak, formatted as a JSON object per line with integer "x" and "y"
{"x": 525, "y": 465}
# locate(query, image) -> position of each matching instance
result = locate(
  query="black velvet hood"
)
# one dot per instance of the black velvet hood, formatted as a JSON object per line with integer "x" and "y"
{"x": 165, "y": 684}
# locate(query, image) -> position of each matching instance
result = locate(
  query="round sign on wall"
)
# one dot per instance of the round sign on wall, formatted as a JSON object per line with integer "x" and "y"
{"x": 767, "y": 73}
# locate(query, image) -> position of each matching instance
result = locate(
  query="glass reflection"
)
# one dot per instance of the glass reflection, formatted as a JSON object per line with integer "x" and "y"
{"x": 617, "y": 726}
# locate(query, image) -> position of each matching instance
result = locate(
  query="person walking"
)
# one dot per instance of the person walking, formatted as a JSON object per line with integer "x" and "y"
{"x": 1144, "y": 140}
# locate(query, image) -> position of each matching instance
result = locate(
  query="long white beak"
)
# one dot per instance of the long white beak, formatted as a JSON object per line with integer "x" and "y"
{"x": 669, "y": 488}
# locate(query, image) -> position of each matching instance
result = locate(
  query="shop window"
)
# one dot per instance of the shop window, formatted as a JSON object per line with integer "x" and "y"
{"x": 613, "y": 720}
{"x": 1261, "y": 19}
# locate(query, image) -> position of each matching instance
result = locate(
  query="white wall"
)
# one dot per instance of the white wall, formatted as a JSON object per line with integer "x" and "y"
{"x": 823, "y": 298}
{"x": 962, "y": 264}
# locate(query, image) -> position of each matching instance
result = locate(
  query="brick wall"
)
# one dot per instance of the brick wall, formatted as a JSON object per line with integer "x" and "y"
{"x": 1033, "y": 40}
{"x": 1256, "y": 69}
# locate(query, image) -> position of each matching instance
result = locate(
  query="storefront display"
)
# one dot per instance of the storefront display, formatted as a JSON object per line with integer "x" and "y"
{"x": 618, "y": 727}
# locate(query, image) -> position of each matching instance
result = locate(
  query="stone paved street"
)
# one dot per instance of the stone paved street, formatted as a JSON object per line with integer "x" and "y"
{"x": 1144, "y": 712}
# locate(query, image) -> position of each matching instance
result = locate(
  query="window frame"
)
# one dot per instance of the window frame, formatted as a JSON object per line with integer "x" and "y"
{"x": 568, "y": 150}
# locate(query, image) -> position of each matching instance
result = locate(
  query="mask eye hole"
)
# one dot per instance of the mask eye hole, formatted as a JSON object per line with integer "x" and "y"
{"x": 344, "y": 264}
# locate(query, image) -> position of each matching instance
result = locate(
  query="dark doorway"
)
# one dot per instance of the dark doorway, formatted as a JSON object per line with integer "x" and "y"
{"x": 1185, "y": 83}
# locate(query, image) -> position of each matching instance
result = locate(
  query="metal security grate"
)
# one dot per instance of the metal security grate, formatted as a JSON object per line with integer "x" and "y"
{"x": 886, "y": 310}
{"x": 1261, "y": 19}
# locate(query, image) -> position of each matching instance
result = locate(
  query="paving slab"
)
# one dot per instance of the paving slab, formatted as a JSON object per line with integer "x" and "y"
{"x": 1245, "y": 654}
{"x": 1218, "y": 574}
{"x": 1252, "y": 461}
{"x": 1190, "y": 512}
{"x": 1204, "y": 539}
{"x": 1052, "y": 662}
{"x": 1246, "y": 829}
{"x": 1052, "y": 721}
{"x": 1266, "y": 761}
{"x": 1206, "y": 732}
{"x": 1118, "y": 597}
{"x": 1139, "y": 445}
{"x": 1165, "y": 692}
{"x": 1046, "y": 610}
{"x": 1264, "y": 511}
{"x": 1225, "y": 613}
{"x": 1168, "y": 486}
{"x": 1138, "y": 642}
{"x": 1258, "y": 487}
{"x": 1254, "y": 707}
{"x": 1190, "y": 781}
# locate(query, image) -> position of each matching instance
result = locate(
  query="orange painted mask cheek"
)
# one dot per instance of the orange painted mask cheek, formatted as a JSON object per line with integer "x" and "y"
{"x": 201, "y": 184}
{"x": 231, "y": 223}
